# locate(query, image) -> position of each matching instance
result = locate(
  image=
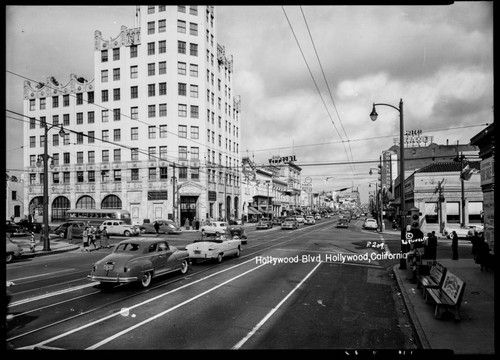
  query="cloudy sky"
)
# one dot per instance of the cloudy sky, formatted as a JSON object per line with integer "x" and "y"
{"x": 307, "y": 75}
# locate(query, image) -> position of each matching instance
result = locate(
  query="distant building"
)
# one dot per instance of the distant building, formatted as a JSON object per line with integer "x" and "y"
{"x": 14, "y": 193}
{"x": 157, "y": 131}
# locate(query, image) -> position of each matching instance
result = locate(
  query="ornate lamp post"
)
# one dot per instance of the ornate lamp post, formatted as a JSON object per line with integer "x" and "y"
{"x": 45, "y": 157}
{"x": 373, "y": 116}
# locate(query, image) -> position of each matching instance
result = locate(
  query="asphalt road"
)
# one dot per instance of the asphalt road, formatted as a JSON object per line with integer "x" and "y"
{"x": 287, "y": 290}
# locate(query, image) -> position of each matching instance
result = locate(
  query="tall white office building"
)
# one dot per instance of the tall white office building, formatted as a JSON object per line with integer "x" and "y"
{"x": 156, "y": 131}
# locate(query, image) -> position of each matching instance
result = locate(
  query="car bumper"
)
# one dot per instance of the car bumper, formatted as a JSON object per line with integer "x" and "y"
{"x": 114, "y": 280}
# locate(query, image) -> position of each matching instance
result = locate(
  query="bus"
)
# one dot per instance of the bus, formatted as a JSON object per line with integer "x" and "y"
{"x": 97, "y": 216}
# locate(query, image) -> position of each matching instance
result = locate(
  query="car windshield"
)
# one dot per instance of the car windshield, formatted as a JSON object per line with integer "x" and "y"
{"x": 127, "y": 247}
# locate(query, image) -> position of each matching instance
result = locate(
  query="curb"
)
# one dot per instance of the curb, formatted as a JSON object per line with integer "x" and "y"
{"x": 29, "y": 254}
{"x": 420, "y": 334}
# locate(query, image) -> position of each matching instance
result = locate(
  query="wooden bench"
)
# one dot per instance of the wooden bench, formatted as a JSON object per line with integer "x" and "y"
{"x": 448, "y": 296}
{"x": 433, "y": 280}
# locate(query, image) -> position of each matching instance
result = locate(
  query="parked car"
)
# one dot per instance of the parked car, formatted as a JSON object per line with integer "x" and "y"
{"x": 77, "y": 229}
{"x": 290, "y": 223}
{"x": 118, "y": 227}
{"x": 31, "y": 226}
{"x": 238, "y": 232}
{"x": 12, "y": 250}
{"x": 139, "y": 260}
{"x": 462, "y": 232}
{"x": 476, "y": 228}
{"x": 214, "y": 227}
{"x": 309, "y": 220}
{"x": 264, "y": 223}
{"x": 277, "y": 220}
{"x": 300, "y": 219}
{"x": 317, "y": 217}
{"x": 369, "y": 224}
{"x": 214, "y": 247}
{"x": 342, "y": 223}
{"x": 13, "y": 229}
{"x": 166, "y": 227}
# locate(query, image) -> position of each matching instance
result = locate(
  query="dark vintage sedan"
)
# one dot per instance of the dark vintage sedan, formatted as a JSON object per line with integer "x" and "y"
{"x": 139, "y": 260}
{"x": 238, "y": 232}
{"x": 13, "y": 229}
{"x": 166, "y": 227}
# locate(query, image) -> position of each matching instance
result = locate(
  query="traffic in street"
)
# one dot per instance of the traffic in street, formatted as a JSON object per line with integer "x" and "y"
{"x": 330, "y": 287}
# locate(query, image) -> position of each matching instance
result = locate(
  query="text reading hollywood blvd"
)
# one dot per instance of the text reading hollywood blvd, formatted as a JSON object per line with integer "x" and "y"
{"x": 342, "y": 258}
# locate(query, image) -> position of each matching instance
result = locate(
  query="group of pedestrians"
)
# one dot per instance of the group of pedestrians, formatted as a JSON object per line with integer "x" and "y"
{"x": 480, "y": 250}
{"x": 90, "y": 238}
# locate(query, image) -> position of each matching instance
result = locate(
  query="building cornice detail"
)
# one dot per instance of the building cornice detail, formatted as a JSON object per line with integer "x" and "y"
{"x": 127, "y": 37}
{"x": 53, "y": 88}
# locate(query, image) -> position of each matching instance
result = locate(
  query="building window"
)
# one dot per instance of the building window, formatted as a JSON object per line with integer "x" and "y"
{"x": 79, "y": 118}
{"x": 55, "y": 102}
{"x": 162, "y": 88}
{"x": 151, "y": 9}
{"x": 33, "y": 123}
{"x": 43, "y": 122}
{"x": 152, "y": 174}
{"x": 116, "y": 54}
{"x": 90, "y": 117}
{"x": 183, "y": 173}
{"x": 105, "y": 135}
{"x": 116, "y": 74}
{"x": 181, "y": 47}
{"x": 163, "y": 131}
{"x": 151, "y": 132}
{"x": 182, "y": 89}
{"x": 104, "y": 175}
{"x": 181, "y": 26}
{"x": 104, "y": 55}
{"x": 453, "y": 212}
{"x": 133, "y": 72}
{"x": 193, "y": 10}
{"x": 195, "y": 153}
{"x": 151, "y": 48}
{"x": 66, "y": 119}
{"x": 475, "y": 212}
{"x": 182, "y": 152}
{"x": 195, "y": 132}
{"x": 66, "y": 158}
{"x": 163, "y": 152}
{"x": 65, "y": 100}
{"x": 193, "y": 29}
{"x": 105, "y": 116}
{"x": 151, "y": 69}
{"x": 182, "y": 131}
{"x": 193, "y": 70}
{"x": 133, "y": 51}
{"x": 105, "y": 155}
{"x": 117, "y": 155}
{"x": 117, "y": 135}
{"x": 134, "y": 154}
{"x": 104, "y": 76}
{"x": 91, "y": 157}
{"x": 79, "y": 138}
{"x": 162, "y": 47}
{"x": 181, "y": 68}
{"x": 55, "y": 139}
{"x": 116, "y": 115}
{"x": 195, "y": 112}
{"x": 151, "y": 111}
{"x": 91, "y": 176}
{"x": 134, "y": 113}
{"x": 162, "y": 26}
{"x": 66, "y": 139}
{"x": 182, "y": 110}
{"x": 116, "y": 94}
{"x": 66, "y": 177}
{"x": 32, "y": 104}
{"x": 134, "y": 92}
{"x": 193, "y": 91}
{"x": 181, "y": 8}
{"x": 151, "y": 90}
{"x": 163, "y": 110}
{"x": 55, "y": 178}
{"x": 79, "y": 176}
{"x": 163, "y": 173}
{"x": 193, "y": 49}
{"x": 104, "y": 95}
{"x": 134, "y": 133}
{"x": 151, "y": 27}
{"x": 32, "y": 160}
{"x": 79, "y": 99}
{"x": 162, "y": 67}
{"x": 134, "y": 174}
{"x": 195, "y": 174}
{"x": 90, "y": 97}
{"x": 152, "y": 153}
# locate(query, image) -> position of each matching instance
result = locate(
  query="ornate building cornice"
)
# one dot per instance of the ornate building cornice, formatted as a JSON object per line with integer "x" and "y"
{"x": 53, "y": 88}
{"x": 127, "y": 37}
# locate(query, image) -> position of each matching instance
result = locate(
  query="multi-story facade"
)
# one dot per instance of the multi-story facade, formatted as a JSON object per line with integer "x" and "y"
{"x": 156, "y": 132}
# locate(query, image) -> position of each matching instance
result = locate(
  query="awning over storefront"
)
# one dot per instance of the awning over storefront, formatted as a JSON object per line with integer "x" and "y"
{"x": 254, "y": 211}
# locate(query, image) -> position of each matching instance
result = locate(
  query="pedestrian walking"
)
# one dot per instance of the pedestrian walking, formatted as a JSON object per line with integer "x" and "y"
{"x": 431, "y": 250}
{"x": 85, "y": 236}
{"x": 454, "y": 245}
{"x": 157, "y": 228}
{"x": 92, "y": 236}
{"x": 69, "y": 233}
{"x": 483, "y": 253}
{"x": 105, "y": 238}
{"x": 186, "y": 224}
{"x": 475, "y": 240}
{"x": 32, "y": 242}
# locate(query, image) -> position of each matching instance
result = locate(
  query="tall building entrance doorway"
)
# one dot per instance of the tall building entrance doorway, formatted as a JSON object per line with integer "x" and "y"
{"x": 188, "y": 209}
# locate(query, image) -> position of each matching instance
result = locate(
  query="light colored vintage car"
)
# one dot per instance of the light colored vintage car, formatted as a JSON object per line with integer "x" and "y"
{"x": 214, "y": 227}
{"x": 462, "y": 232}
{"x": 139, "y": 260}
{"x": 310, "y": 220}
{"x": 12, "y": 250}
{"x": 214, "y": 247}
{"x": 119, "y": 227}
{"x": 290, "y": 223}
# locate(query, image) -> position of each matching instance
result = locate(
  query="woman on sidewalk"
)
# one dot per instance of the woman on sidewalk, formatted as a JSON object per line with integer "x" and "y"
{"x": 454, "y": 245}
{"x": 483, "y": 252}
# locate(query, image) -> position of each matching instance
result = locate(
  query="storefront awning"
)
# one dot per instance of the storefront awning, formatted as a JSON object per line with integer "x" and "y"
{"x": 253, "y": 211}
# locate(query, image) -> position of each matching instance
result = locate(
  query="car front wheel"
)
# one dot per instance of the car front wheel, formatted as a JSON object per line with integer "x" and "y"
{"x": 126, "y": 233}
{"x": 184, "y": 267}
{"x": 219, "y": 258}
{"x": 10, "y": 258}
{"x": 146, "y": 279}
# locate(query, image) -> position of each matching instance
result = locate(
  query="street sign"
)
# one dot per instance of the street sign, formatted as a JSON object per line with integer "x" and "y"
{"x": 404, "y": 212}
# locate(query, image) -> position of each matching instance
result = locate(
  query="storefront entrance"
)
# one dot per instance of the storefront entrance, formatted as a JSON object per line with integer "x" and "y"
{"x": 188, "y": 210}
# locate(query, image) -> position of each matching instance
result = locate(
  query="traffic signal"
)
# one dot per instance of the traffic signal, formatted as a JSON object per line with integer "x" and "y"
{"x": 415, "y": 219}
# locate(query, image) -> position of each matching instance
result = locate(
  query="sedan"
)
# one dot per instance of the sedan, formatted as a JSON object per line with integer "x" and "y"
{"x": 289, "y": 223}
{"x": 139, "y": 260}
{"x": 370, "y": 224}
{"x": 462, "y": 232}
{"x": 238, "y": 232}
{"x": 300, "y": 219}
{"x": 214, "y": 247}
{"x": 264, "y": 223}
{"x": 166, "y": 227}
{"x": 31, "y": 226}
{"x": 12, "y": 250}
{"x": 310, "y": 220}
{"x": 214, "y": 227}
{"x": 342, "y": 223}
{"x": 13, "y": 229}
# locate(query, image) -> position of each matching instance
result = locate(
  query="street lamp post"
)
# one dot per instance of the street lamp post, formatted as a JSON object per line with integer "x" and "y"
{"x": 45, "y": 156}
{"x": 373, "y": 116}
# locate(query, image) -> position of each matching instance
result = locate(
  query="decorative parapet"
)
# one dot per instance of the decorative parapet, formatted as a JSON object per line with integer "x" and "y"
{"x": 127, "y": 37}
{"x": 223, "y": 60}
{"x": 210, "y": 9}
{"x": 52, "y": 87}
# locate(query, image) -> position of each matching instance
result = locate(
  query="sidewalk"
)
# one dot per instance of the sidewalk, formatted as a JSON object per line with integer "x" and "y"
{"x": 474, "y": 334}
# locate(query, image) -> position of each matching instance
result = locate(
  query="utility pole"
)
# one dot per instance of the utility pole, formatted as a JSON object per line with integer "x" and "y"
{"x": 174, "y": 181}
